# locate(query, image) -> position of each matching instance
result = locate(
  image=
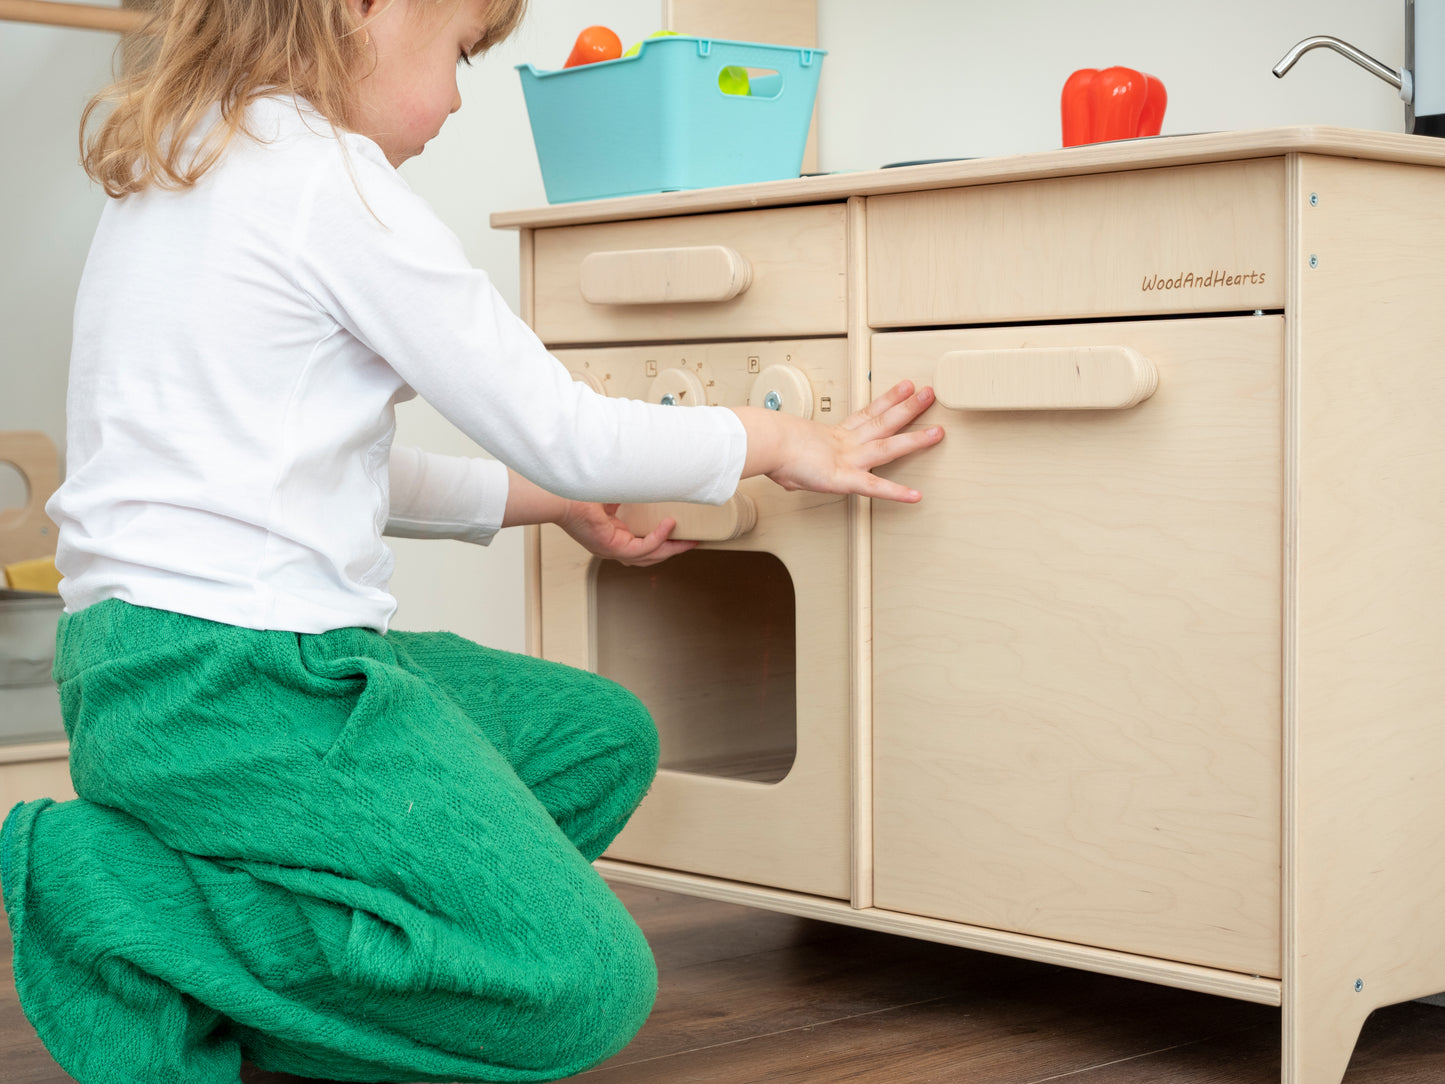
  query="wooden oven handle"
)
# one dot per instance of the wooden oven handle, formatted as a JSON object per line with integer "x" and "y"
{"x": 695, "y": 522}
{"x": 1045, "y": 378}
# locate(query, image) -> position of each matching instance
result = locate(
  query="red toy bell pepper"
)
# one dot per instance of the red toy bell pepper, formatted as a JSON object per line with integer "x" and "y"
{"x": 1113, "y": 103}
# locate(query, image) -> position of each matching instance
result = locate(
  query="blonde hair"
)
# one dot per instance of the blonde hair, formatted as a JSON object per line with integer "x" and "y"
{"x": 194, "y": 54}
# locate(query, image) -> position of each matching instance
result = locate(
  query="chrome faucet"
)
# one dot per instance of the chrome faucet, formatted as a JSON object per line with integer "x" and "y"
{"x": 1421, "y": 81}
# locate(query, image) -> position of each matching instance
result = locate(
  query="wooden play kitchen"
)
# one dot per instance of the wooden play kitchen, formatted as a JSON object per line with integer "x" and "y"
{"x": 1150, "y": 683}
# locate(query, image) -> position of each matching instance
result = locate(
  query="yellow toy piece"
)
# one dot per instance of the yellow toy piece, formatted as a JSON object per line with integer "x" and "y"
{"x": 36, "y": 574}
{"x": 637, "y": 45}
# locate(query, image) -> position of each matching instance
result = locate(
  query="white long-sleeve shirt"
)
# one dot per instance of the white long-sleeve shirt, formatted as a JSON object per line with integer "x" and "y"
{"x": 239, "y": 349}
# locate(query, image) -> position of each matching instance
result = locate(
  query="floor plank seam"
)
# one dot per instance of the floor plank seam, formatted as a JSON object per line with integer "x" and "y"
{"x": 1142, "y": 1054}
{"x": 616, "y": 1064}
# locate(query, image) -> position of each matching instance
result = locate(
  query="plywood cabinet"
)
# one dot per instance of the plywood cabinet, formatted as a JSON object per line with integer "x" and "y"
{"x": 1149, "y": 682}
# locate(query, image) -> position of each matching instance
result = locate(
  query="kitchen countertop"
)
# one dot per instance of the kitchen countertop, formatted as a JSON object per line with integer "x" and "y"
{"x": 1147, "y": 153}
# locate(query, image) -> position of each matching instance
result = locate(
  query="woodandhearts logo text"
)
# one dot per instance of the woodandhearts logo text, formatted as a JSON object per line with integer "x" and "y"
{"x": 1188, "y": 279}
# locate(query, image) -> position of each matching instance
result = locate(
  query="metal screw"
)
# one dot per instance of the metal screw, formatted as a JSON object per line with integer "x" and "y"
{"x": 1314, "y": 260}
{"x": 1314, "y": 199}
{"x": 1359, "y": 985}
{"x": 668, "y": 400}
{"x": 772, "y": 401}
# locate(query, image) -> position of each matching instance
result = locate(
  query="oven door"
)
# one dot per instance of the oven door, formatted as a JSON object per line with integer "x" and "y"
{"x": 739, "y": 648}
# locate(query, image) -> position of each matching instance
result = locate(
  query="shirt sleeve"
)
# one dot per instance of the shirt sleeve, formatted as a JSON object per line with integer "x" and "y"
{"x": 375, "y": 256}
{"x": 445, "y": 496}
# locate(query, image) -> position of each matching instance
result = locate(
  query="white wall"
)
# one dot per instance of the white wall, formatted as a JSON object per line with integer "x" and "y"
{"x": 920, "y": 79}
{"x": 47, "y": 214}
{"x": 966, "y": 78}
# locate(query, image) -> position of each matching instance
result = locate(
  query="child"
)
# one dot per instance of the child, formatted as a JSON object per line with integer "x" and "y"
{"x": 301, "y": 839}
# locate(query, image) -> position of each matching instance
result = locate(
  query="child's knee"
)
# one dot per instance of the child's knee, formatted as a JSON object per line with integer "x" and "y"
{"x": 629, "y": 729}
{"x": 604, "y": 997}
{"x": 640, "y": 730}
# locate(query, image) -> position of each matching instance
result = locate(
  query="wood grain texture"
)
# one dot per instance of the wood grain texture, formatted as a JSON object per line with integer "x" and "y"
{"x": 1152, "y": 692}
{"x": 531, "y": 535}
{"x": 1188, "y": 239}
{"x": 798, "y": 284}
{"x": 698, "y": 522}
{"x": 664, "y": 276}
{"x": 1367, "y": 808}
{"x": 699, "y": 653}
{"x": 1076, "y": 653}
{"x": 753, "y": 997}
{"x": 76, "y": 16}
{"x": 1092, "y": 158}
{"x": 860, "y": 542}
{"x": 1205, "y": 980}
{"x": 778, "y": 22}
{"x": 1045, "y": 378}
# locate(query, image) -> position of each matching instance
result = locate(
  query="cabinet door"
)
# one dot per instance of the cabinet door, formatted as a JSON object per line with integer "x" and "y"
{"x": 1077, "y": 646}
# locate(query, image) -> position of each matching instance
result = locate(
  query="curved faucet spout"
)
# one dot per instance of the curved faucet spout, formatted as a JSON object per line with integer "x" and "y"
{"x": 1344, "y": 48}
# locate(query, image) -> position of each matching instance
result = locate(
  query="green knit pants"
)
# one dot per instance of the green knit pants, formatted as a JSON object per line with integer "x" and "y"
{"x": 350, "y": 855}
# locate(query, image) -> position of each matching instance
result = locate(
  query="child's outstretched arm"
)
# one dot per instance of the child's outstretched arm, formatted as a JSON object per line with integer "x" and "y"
{"x": 795, "y": 453}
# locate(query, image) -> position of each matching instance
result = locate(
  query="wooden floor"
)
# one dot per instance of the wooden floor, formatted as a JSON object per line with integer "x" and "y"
{"x": 749, "y": 996}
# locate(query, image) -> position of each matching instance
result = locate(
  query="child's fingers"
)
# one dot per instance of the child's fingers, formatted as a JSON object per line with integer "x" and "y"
{"x": 886, "y": 449}
{"x": 897, "y": 415}
{"x": 669, "y": 548}
{"x": 655, "y": 546}
{"x": 883, "y": 403}
{"x": 881, "y": 489}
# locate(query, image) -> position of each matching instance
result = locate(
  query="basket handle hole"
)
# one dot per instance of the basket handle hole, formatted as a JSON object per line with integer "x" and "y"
{"x": 750, "y": 82}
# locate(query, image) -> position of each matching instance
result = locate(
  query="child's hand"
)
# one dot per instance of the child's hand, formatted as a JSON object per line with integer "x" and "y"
{"x": 799, "y": 454}
{"x": 598, "y": 529}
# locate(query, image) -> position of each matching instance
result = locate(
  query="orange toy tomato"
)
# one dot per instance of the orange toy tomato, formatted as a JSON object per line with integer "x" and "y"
{"x": 594, "y": 44}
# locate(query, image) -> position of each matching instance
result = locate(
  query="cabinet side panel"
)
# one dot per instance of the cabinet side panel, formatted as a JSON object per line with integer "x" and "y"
{"x": 1368, "y": 824}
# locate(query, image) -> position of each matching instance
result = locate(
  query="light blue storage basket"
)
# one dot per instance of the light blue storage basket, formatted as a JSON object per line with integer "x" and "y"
{"x": 658, "y": 121}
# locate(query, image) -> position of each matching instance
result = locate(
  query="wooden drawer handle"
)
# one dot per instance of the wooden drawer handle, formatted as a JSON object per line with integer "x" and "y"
{"x": 697, "y": 522}
{"x": 1067, "y": 378}
{"x": 664, "y": 276}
